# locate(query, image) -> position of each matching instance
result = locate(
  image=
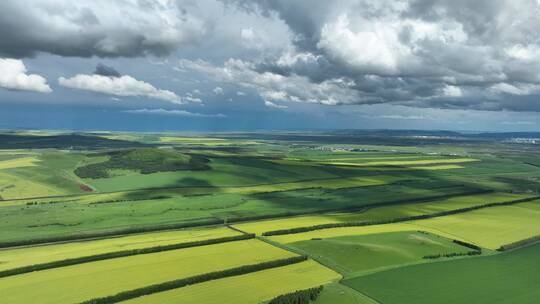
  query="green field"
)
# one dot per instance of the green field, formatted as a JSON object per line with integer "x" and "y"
{"x": 510, "y": 277}
{"x": 361, "y": 253}
{"x": 250, "y": 288}
{"x": 103, "y": 278}
{"x": 339, "y": 293}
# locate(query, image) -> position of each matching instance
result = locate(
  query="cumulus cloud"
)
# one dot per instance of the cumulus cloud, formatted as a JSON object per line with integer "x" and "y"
{"x": 118, "y": 86}
{"x": 173, "y": 113}
{"x": 99, "y": 28}
{"x": 218, "y": 90}
{"x": 14, "y": 76}
{"x": 422, "y": 53}
{"x": 273, "y": 86}
{"x": 274, "y": 105}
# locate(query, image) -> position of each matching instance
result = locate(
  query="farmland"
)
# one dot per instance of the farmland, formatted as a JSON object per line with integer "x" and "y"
{"x": 247, "y": 217}
{"x": 496, "y": 279}
{"x": 132, "y": 272}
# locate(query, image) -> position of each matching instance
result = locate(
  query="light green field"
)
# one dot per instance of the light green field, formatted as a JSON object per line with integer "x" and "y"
{"x": 351, "y": 255}
{"x": 18, "y": 162}
{"x": 13, "y": 186}
{"x": 169, "y": 139}
{"x": 385, "y": 212}
{"x": 108, "y": 277}
{"x": 438, "y": 167}
{"x": 510, "y": 277}
{"x": 250, "y": 288}
{"x": 490, "y": 227}
{"x": 18, "y": 257}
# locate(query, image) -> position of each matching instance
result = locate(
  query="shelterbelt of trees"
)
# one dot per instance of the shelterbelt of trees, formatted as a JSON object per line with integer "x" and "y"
{"x": 298, "y": 297}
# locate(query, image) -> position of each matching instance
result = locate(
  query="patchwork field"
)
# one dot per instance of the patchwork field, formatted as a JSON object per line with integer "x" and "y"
{"x": 250, "y": 288}
{"x": 380, "y": 213}
{"x": 25, "y": 256}
{"x": 108, "y": 277}
{"x": 510, "y": 277}
{"x": 169, "y": 218}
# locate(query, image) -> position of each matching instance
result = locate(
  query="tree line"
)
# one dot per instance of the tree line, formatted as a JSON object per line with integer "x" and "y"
{"x": 139, "y": 292}
{"x": 298, "y": 297}
{"x": 119, "y": 254}
{"x": 451, "y": 255}
{"x": 521, "y": 243}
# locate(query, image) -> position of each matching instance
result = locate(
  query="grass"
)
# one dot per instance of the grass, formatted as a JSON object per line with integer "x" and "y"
{"x": 13, "y": 186}
{"x": 511, "y": 277}
{"x": 18, "y": 162}
{"x": 360, "y": 253}
{"x": 338, "y": 293}
{"x": 18, "y": 257}
{"x": 251, "y": 288}
{"x": 103, "y": 278}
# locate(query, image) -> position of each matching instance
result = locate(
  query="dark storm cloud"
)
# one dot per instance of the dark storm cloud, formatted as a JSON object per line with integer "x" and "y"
{"x": 100, "y": 28}
{"x": 105, "y": 70}
{"x": 424, "y": 53}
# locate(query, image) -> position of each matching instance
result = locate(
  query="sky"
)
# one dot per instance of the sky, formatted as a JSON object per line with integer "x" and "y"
{"x": 230, "y": 65}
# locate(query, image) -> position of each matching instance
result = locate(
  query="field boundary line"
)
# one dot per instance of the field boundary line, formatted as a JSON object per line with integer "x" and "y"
{"x": 169, "y": 285}
{"x": 121, "y": 254}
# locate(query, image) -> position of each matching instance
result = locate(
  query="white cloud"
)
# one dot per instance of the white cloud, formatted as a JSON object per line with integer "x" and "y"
{"x": 173, "y": 113}
{"x": 518, "y": 123}
{"x": 273, "y": 86}
{"x": 191, "y": 98}
{"x": 218, "y": 90}
{"x": 273, "y": 105}
{"x": 523, "y": 52}
{"x": 13, "y": 76}
{"x": 516, "y": 88}
{"x": 406, "y": 117}
{"x": 240, "y": 93}
{"x": 118, "y": 86}
{"x": 452, "y": 91}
